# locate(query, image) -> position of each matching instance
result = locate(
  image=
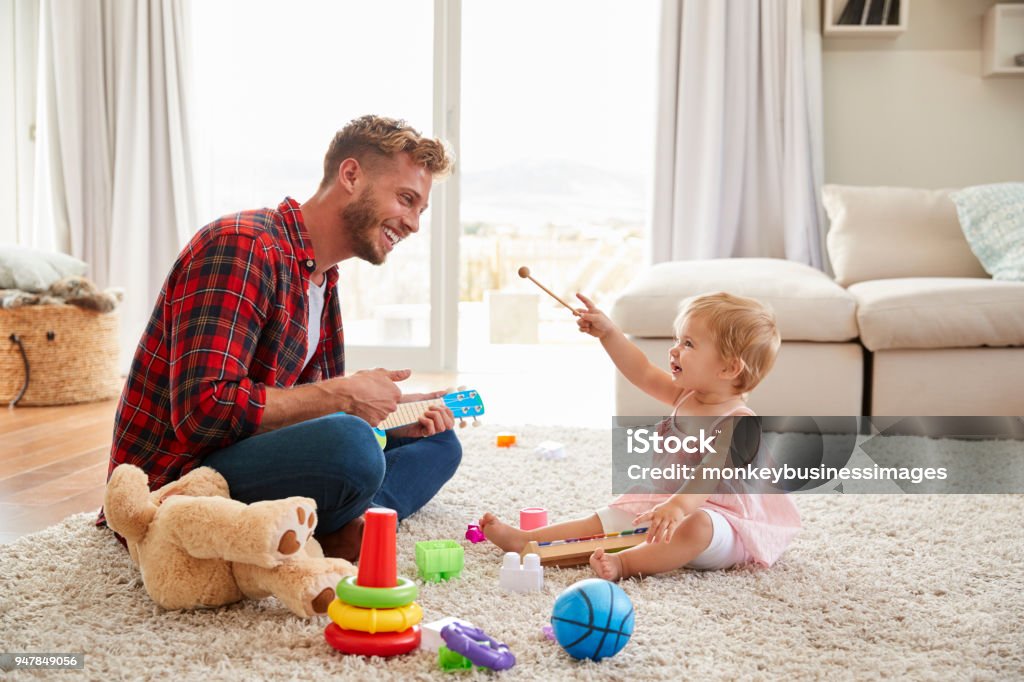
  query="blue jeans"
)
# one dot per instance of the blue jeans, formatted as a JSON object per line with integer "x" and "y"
{"x": 336, "y": 461}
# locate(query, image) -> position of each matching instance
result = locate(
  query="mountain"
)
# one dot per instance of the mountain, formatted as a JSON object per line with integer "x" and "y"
{"x": 537, "y": 192}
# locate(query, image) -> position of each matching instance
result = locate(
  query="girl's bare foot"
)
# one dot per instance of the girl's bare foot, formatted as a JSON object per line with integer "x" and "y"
{"x": 500, "y": 533}
{"x": 606, "y": 565}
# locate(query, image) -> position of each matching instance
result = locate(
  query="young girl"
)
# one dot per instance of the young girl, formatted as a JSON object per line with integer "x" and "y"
{"x": 724, "y": 346}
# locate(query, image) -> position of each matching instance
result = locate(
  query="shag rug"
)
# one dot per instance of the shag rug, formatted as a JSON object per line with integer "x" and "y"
{"x": 907, "y": 586}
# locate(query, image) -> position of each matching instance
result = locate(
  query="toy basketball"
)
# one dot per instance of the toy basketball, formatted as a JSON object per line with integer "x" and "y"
{"x": 592, "y": 619}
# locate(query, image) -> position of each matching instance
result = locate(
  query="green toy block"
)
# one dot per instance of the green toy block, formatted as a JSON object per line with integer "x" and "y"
{"x": 449, "y": 661}
{"x": 439, "y": 560}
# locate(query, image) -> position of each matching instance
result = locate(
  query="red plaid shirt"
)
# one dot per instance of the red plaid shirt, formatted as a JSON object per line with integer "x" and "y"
{"x": 229, "y": 321}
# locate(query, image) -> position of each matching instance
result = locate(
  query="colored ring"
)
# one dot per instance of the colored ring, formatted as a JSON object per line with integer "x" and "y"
{"x": 365, "y": 644}
{"x": 402, "y": 594}
{"x": 474, "y": 644}
{"x": 349, "y": 617}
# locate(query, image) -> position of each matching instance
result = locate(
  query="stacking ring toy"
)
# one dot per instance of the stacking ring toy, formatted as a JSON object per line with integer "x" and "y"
{"x": 475, "y": 645}
{"x": 402, "y": 594}
{"x": 365, "y": 644}
{"x": 350, "y": 617}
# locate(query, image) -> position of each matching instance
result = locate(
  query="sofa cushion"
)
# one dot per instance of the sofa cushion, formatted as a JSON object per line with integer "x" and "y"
{"x": 939, "y": 312}
{"x": 992, "y": 218}
{"x": 809, "y": 306}
{"x": 887, "y": 232}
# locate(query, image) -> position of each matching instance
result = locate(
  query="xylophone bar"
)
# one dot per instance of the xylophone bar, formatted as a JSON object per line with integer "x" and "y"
{"x": 577, "y": 552}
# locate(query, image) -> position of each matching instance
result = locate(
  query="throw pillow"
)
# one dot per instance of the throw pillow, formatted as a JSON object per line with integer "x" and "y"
{"x": 992, "y": 218}
{"x": 893, "y": 232}
{"x": 34, "y": 270}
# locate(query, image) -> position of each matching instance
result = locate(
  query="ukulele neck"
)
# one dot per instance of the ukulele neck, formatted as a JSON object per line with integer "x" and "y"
{"x": 408, "y": 413}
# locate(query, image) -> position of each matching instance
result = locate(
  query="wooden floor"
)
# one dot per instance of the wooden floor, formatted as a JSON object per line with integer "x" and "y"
{"x": 53, "y": 460}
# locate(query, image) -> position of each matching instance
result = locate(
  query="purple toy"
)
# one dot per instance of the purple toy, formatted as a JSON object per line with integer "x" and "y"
{"x": 475, "y": 645}
{"x": 474, "y": 534}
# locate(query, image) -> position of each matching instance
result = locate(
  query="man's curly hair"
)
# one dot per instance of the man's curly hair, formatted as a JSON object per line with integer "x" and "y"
{"x": 370, "y": 138}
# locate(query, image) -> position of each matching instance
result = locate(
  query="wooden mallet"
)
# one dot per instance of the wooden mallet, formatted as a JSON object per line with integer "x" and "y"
{"x": 524, "y": 272}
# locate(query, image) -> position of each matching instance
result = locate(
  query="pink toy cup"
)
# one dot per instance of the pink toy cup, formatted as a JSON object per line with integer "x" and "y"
{"x": 533, "y": 517}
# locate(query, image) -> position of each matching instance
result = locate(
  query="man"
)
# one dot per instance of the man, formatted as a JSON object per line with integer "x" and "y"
{"x": 241, "y": 367}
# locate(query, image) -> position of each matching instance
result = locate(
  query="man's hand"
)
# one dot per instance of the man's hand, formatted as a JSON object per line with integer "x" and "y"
{"x": 372, "y": 393}
{"x": 435, "y": 419}
{"x": 592, "y": 320}
{"x": 416, "y": 397}
{"x": 664, "y": 519}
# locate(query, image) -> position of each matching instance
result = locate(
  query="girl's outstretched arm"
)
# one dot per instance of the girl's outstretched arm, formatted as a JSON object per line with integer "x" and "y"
{"x": 628, "y": 359}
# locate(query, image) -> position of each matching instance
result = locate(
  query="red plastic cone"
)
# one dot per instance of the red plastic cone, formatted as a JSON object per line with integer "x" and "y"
{"x": 377, "y": 556}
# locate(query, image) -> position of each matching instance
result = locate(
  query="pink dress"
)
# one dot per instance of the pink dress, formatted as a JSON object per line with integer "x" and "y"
{"x": 764, "y": 523}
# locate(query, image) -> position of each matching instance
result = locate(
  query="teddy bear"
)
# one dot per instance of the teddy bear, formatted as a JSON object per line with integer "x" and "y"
{"x": 196, "y": 547}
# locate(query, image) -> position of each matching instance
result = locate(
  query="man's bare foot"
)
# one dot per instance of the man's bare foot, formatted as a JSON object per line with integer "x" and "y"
{"x": 606, "y": 565}
{"x": 500, "y": 533}
{"x": 345, "y": 542}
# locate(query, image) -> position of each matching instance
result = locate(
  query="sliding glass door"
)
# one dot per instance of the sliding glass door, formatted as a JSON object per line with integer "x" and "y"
{"x": 275, "y": 81}
{"x": 558, "y": 113}
{"x": 550, "y": 109}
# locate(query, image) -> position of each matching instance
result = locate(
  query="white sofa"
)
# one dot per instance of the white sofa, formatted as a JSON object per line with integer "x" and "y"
{"x": 910, "y": 326}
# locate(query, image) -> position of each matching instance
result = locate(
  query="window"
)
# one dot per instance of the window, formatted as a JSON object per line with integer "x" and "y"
{"x": 556, "y": 125}
{"x": 274, "y": 84}
{"x": 558, "y": 113}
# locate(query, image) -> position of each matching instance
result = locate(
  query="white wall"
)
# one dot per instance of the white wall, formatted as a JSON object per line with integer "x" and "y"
{"x": 915, "y": 111}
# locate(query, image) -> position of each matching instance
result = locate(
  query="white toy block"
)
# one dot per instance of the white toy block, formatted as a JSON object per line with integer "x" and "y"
{"x": 550, "y": 449}
{"x": 529, "y": 577}
{"x": 430, "y": 633}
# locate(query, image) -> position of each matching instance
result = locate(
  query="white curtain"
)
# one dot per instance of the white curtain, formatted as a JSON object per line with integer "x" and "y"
{"x": 19, "y": 29}
{"x": 113, "y": 179}
{"x": 739, "y": 161}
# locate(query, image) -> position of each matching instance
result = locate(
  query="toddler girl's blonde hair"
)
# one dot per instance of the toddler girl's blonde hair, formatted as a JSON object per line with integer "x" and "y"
{"x": 742, "y": 328}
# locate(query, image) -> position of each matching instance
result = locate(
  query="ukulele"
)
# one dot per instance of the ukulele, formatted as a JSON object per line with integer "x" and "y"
{"x": 464, "y": 404}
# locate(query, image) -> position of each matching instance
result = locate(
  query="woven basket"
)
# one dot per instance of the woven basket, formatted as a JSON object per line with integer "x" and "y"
{"x": 72, "y": 355}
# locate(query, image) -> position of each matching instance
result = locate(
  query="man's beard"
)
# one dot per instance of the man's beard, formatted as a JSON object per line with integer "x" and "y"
{"x": 363, "y": 224}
